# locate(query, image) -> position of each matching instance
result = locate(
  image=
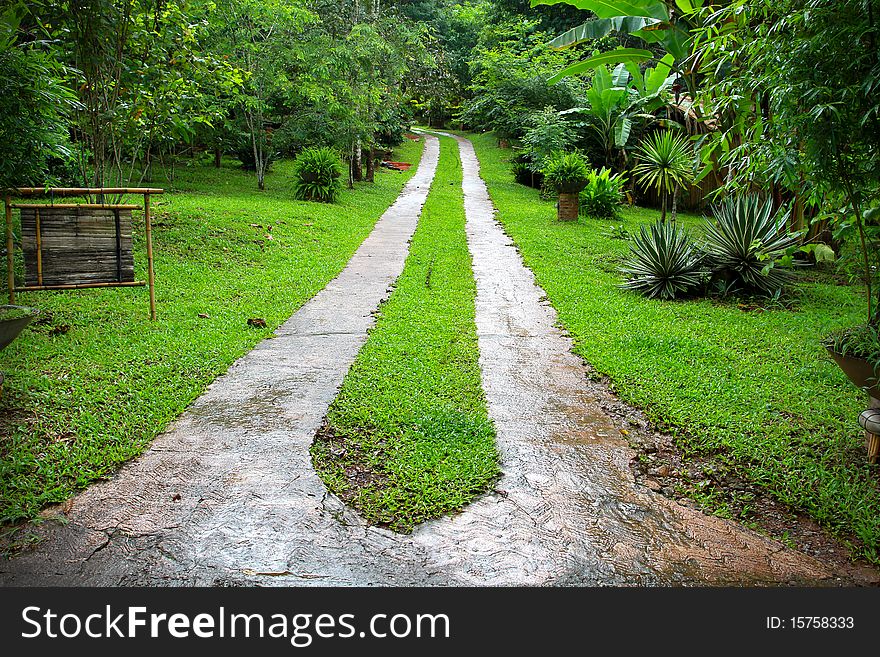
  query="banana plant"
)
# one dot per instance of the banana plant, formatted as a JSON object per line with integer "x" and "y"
{"x": 671, "y": 24}
{"x": 620, "y": 98}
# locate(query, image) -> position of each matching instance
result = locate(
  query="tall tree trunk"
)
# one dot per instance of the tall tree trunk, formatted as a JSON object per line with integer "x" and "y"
{"x": 674, "y": 203}
{"x": 663, "y": 206}
{"x": 357, "y": 164}
{"x": 371, "y": 165}
{"x": 218, "y": 154}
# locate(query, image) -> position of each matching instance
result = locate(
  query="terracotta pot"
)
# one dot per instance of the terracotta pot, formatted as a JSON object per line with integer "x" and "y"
{"x": 860, "y": 372}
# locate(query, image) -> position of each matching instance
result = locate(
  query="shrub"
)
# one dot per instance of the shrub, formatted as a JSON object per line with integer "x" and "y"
{"x": 564, "y": 171}
{"x": 663, "y": 262}
{"x": 603, "y": 195}
{"x": 317, "y": 173}
{"x": 547, "y": 133}
{"x": 746, "y": 244}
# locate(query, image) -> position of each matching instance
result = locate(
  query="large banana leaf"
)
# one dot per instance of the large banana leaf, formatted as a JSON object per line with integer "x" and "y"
{"x": 610, "y": 57}
{"x": 596, "y": 29}
{"x": 613, "y": 8}
{"x": 621, "y": 131}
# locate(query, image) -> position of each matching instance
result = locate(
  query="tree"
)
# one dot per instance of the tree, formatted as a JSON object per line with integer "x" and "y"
{"x": 262, "y": 38}
{"x": 795, "y": 83}
{"x": 35, "y": 104}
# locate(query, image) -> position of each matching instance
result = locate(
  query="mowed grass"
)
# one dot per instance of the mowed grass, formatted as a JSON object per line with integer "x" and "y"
{"x": 89, "y": 385}
{"x": 753, "y": 387}
{"x": 409, "y": 438}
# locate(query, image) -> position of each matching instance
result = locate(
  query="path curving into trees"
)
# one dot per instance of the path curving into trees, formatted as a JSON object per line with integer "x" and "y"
{"x": 228, "y": 496}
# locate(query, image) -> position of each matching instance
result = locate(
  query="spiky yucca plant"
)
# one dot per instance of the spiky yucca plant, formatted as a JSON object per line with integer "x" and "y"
{"x": 666, "y": 163}
{"x": 663, "y": 262}
{"x": 746, "y": 242}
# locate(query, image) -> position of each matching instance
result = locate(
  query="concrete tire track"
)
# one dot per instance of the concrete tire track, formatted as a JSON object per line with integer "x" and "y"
{"x": 252, "y": 511}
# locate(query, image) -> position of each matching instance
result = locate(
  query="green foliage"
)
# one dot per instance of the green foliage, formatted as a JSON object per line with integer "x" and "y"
{"x": 509, "y": 80}
{"x": 565, "y": 171}
{"x": 663, "y": 262}
{"x": 547, "y": 133}
{"x": 622, "y": 101}
{"x": 755, "y": 391}
{"x": 795, "y": 85}
{"x": 665, "y": 163}
{"x": 92, "y": 380}
{"x": 747, "y": 244}
{"x": 35, "y": 104}
{"x": 316, "y": 175}
{"x": 602, "y": 198}
{"x": 411, "y": 413}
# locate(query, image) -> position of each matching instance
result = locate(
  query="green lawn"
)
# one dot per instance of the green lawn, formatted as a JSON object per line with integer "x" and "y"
{"x": 408, "y": 437}
{"x": 94, "y": 381}
{"x": 753, "y": 387}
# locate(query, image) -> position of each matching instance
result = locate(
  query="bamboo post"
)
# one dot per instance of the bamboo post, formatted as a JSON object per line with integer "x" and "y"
{"x": 10, "y": 260}
{"x": 150, "y": 274}
{"x": 39, "y": 247}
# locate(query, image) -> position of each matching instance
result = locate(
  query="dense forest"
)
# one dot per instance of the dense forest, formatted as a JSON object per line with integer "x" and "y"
{"x": 100, "y": 92}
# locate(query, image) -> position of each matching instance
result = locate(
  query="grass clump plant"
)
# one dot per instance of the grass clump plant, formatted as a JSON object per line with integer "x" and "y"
{"x": 602, "y": 198}
{"x": 317, "y": 175}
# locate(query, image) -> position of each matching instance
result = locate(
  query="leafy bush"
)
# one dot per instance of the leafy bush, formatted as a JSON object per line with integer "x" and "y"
{"x": 603, "y": 195}
{"x": 317, "y": 173}
{"x": 746, "y": 244}
{"x": 509, "y": 79}
{"x": 547, "y": 133}
{"x": 663, "y": 262}
{"x": 565, "y": 170}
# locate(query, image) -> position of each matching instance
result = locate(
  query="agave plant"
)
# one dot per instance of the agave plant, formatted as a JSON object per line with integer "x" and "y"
{"x": 666, "y": 163}
{"x": 663, "y": 262}
{"x": 747, "y": 242}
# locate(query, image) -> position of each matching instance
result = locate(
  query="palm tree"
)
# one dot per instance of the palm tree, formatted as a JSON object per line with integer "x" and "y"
{"x": 666, "y": 162}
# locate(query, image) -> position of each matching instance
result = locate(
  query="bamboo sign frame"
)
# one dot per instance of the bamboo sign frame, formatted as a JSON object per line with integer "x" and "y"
{"x": 94, "y": 208}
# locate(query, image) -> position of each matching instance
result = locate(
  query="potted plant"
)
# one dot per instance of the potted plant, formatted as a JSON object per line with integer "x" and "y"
{"x": 567, "y": 174}
{"x": 856, "y": 349}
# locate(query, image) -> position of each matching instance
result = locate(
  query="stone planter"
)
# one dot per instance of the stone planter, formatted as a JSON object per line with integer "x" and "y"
{"x": 10, "y": 327}
{"x": 13, "y": 320}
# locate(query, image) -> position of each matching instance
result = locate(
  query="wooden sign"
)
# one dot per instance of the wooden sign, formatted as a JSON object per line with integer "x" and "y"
{"x": 71, "y": 246}
{"x": 76, "y": 245}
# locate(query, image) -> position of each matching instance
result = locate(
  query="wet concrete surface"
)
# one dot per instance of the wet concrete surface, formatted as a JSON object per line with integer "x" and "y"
{"x": 228, "y": 496}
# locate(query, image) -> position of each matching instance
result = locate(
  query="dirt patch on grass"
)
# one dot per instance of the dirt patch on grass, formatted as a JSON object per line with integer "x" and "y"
{"x": 344, "y": 465}
{"x": 708, "y": 484}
